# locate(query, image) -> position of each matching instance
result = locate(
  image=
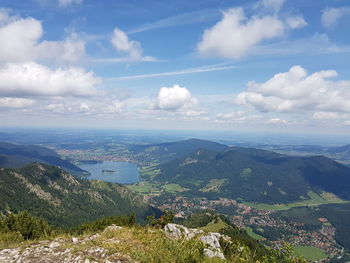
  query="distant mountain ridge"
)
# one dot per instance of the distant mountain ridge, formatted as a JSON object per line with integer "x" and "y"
{"x": 15, "y": 156}
{"x": 341, "y": 149}
{"x": 63, "y": 200}
{"x": 173, "y": 150}
{"x": 255, "y": 175}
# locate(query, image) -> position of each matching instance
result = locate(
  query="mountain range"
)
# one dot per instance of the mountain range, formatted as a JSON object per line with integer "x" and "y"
{"x": 250, "y": 174}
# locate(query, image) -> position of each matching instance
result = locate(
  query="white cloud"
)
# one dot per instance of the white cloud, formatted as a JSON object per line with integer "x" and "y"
{"x": 331, "y": 16}
{"x": 70, "y": 50}
{"x": 122, "y": 43}
{"x": 99, "y": 106}
{"x": 65, "y": 3}
{"x": 114, "y": 107}
{"x": 32, "y": 79}
{"x": 174, "y": 98}
{"x": 295, "y": 22}
{"x": 296, "y": 91}
{"x": 21, "y": 42}
{"x": 15, "y": 102}
{"x": 235, "y": 35}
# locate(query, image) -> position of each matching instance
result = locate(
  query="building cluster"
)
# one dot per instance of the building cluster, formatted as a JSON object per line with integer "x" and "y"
{"x": 246, "y": 216}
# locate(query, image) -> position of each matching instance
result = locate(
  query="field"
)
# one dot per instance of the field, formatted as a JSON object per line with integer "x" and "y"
{"x": 310, "y": 253}
{"x": 215, "y": 226}
{"x": 144, "y": 188}
{"x": 251, "y": 233}
{"x": 314, "y": 200}
{"x": 173, "y": 188}
{"x": 152, "y": 188}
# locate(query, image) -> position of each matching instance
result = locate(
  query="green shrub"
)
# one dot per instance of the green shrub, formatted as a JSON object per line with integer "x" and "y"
{"x": 27, "y": 226}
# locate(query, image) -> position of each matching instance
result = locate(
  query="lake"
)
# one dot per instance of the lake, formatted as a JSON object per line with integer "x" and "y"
{"x": 114, "y": 172}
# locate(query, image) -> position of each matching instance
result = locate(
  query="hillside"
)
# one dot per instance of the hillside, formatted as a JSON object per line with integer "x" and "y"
{"x": 342, "y": 149}
{"x": 165, "y": 152}
{"x": 256, "y": 175}
{"x": 63, "y": 200}
{"x": 215, "y": 241}
{"x": 14, "y": 156}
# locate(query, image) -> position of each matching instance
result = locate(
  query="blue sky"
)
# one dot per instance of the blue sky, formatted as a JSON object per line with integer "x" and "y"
{"x": 268, "y": 65}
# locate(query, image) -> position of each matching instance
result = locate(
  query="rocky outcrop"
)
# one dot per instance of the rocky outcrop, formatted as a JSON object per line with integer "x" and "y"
{"x": 211, "y": 240}
{"x": 104, "y": 247}
{"x": 60, "y": 251}
{"x": 74, "y": 250}
{"x": 179, "y": 231}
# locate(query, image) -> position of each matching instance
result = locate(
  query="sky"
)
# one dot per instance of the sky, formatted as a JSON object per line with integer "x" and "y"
{"x": 268, "y": 65}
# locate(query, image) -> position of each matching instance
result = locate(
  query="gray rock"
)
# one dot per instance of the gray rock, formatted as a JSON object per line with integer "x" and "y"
{"x": 54, "y": 244}
{"x": 212, "y": 240}
{"x": 179, "y": 231}
{"x": 213, "y": 254}
{"x": 112, "y": 228}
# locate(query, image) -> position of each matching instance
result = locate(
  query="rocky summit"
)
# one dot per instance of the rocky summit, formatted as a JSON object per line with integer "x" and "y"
{"x": 114, "y": 244}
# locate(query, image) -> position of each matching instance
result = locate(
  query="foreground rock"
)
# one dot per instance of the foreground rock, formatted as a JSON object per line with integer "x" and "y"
{"x": 212, "y": 240}
{"x": 64, "y": 251}
{"x": 104, "y": 247}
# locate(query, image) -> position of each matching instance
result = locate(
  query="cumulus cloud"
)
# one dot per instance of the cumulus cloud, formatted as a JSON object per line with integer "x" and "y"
{"x": 32, "y": 79}
{"x": 296, "y": 91}
{"x": 122, "y": 43}
{"x": 21, "y": 41}
{"x": 236, "y": 35}
{"x": 65, "y": 3}
{"x": 173, "y": 98}
{"x": 331, "y": 16}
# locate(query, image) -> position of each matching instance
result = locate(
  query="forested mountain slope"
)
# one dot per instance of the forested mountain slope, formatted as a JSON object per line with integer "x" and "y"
{"x": 256, "y": 175}
{"x": 62, "y": 199}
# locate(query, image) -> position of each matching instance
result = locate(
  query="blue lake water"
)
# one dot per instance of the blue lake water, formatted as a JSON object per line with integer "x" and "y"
{"x": 114, "y": 172}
